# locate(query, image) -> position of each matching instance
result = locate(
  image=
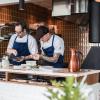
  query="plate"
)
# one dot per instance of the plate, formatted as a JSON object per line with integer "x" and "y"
{"x": 18, "y": 67}
{"x": 31, "y": 63}
{"x": 46, "y": 68}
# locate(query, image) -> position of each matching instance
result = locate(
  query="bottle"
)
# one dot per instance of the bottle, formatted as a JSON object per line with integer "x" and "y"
{"x": 5, "y": 62}
{"x": 74, "y": 64}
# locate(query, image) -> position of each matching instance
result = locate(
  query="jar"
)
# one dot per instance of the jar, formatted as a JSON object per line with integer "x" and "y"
{"x": 5, "y": 62}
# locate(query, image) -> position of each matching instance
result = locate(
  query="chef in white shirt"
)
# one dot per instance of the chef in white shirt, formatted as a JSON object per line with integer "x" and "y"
{"x": 21, "y": 44}
{"x": 52, "y": 47}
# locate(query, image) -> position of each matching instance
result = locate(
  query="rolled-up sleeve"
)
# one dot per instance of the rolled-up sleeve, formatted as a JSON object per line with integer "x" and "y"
{"x": 11, "y": 42}
{"x": 32, "y": 45}
{"x": 59, "y": 46}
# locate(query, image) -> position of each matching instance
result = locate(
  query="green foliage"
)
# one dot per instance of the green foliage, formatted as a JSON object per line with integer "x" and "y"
{"x": 66, "y": 90}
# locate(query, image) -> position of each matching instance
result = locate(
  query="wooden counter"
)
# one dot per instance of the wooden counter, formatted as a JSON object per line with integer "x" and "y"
{"x": 92, "y": 75}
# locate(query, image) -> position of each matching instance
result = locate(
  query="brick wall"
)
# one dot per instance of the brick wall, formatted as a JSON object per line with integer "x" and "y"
{"x": 74, "y": 36}
{"x": 11, "y": 13}
{"x": 31, "y": 14}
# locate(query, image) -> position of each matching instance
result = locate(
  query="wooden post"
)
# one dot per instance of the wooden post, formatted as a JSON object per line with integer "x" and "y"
{"x": 8, "y": 76}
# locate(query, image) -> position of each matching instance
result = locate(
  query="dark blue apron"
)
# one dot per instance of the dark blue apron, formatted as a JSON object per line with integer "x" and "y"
{"x": 49, "y": 52}
{"x": 22, "y": 50}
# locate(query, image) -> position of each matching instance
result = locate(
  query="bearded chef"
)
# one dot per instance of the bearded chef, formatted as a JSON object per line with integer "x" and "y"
{"x": 21, "y": 44}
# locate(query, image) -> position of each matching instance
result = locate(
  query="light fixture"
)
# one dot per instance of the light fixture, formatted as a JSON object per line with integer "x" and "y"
{"x": 97, "y": 0}
{"x": 21, "y": 4}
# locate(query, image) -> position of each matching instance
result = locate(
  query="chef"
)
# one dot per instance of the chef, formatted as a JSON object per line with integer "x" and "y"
{"x": 21, "y": 44}
{"x": 52, "y": 47}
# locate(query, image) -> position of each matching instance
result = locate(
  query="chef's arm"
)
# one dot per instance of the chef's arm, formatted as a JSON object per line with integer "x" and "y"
{"x": 50, "y": 59}
{"x": 11, "y": 51}
{"x": 27, "y": 57}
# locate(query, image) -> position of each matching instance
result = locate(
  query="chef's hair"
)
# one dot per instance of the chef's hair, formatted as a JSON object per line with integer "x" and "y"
{"x": 22, "y": 24}
{"x": 41, "y": 31}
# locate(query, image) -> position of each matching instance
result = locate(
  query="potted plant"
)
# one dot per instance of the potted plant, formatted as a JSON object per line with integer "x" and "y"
{"x": 67, "y": 90}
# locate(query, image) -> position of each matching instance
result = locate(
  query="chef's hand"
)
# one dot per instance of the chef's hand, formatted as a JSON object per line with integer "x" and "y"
{"x": 36, "y": 56}
{"x": 12, "y": 51}
{"x": 20, "y": 59}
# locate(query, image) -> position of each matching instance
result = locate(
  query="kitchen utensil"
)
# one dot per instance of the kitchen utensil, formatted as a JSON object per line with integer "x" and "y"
{"x": 14, "y": 58}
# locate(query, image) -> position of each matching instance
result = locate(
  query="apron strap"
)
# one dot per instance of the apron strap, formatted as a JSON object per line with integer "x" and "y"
{"x": 53, "y": 39}
{"x": 27, "y": 38}
{"x": 15, "y": 39}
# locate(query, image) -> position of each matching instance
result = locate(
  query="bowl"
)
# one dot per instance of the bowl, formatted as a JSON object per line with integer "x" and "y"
{"x": 31, "y": 63}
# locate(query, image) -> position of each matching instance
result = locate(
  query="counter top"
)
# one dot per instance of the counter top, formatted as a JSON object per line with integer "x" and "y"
{"x": 54, "y": 73}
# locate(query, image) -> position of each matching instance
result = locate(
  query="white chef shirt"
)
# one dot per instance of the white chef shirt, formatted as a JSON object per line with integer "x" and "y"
{"x": 32, "y": 44}
{"x": 58, "y": 44}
